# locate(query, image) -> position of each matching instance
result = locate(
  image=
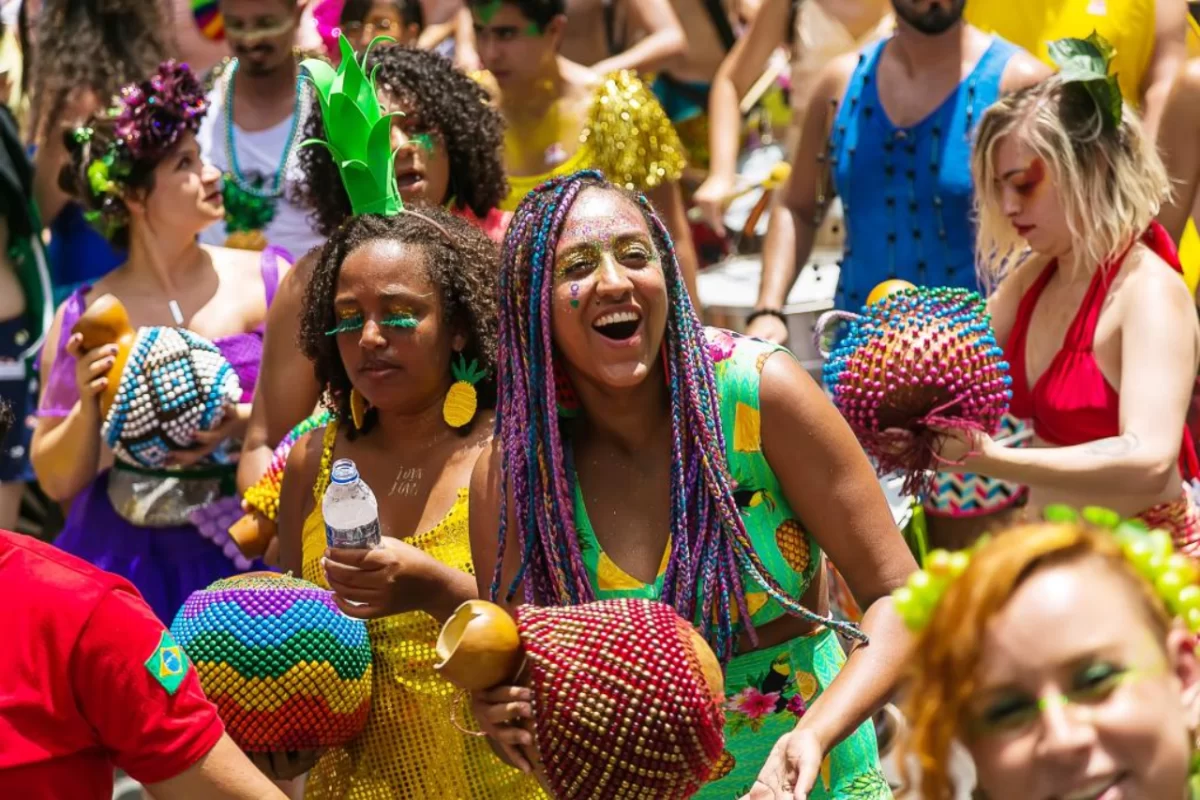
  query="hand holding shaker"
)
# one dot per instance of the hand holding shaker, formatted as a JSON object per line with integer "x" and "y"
{"x": 350, "y": 509}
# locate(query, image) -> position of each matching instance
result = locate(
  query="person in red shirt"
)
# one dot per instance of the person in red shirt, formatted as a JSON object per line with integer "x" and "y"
{"x": 90, "y": 679}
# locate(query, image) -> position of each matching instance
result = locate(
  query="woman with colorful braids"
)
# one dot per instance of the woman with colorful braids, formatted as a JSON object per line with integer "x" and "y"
{"x": 640, "y": 455}
{"x": 1096, "y": 322}
{"x": 136, "y": 169}
{"x": 449, "y": 140}
{"x": 399, "y": 322}
{"x": 1052, "y": 656}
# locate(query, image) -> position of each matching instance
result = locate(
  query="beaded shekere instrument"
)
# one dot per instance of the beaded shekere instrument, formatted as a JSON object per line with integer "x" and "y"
{"x": 254, "y": 531}
{"x": 915, "y": 362}
{"x": 286, "y": 670}
{"x": 627, "y": 696}
{"x": 165, "y": 385}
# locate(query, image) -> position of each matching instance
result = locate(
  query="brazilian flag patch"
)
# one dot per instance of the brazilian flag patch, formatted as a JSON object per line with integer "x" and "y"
{"x": 168, "y": 663}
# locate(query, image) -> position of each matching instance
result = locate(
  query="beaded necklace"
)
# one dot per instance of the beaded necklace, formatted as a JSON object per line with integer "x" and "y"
{"x": 249, "y": 205}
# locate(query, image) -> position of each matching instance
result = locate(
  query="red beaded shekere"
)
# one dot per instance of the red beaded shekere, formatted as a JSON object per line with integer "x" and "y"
{"x": 915, "y": 361}
{"x": 622, "y": 704}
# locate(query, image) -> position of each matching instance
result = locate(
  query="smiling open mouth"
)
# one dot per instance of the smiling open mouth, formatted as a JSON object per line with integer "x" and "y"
{"x": 619, "y": 325}
{"x": 408, "y": 179}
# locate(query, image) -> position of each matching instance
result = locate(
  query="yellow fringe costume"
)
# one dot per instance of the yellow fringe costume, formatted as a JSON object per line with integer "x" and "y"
{"x": 627, "y": 136}
{"x": 409, "y": 748}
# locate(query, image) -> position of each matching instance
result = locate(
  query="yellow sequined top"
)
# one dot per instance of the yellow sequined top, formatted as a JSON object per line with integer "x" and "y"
{"x": 409, "y": 748}
{"x": 627, "y": 136}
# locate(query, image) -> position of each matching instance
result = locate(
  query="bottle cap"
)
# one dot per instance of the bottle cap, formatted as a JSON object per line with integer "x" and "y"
{"x": 343, "y": 471}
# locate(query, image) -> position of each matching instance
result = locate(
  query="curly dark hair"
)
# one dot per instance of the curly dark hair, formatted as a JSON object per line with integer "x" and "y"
{"x": 464, "y": 269}
{"x": 539, "y": 12}
{"x": 92, "y": 44}
{"x": 455, "y": 107}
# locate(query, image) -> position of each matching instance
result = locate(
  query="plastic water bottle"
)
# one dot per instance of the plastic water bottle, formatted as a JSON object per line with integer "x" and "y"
{"x": 350, "y": 510}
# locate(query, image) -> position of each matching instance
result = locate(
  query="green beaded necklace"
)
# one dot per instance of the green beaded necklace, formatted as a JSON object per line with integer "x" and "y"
{"x": 250, "y": 204}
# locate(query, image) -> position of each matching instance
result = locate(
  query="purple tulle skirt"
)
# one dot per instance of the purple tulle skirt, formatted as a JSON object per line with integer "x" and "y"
{"x": 165, "y": 564}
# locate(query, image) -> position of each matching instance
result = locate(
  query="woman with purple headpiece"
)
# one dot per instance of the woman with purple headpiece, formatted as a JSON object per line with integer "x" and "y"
{"x": 137, "y": 171}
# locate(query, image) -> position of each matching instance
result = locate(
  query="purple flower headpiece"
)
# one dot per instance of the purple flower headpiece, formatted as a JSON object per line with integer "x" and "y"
{"x": 150, "y": 118}
{"x": 153, "y": 114}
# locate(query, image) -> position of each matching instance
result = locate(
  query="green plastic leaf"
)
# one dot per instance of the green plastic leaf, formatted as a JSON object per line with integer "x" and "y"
{"x": 358, "y": 133}
{"x": 1084, "y": 63}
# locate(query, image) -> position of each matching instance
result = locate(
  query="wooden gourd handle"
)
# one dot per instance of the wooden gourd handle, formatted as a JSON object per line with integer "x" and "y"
{"x": 107, "y": 322}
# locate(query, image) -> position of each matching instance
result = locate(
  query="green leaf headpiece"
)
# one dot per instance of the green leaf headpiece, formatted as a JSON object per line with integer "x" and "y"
{"x": 357, "y": 133}
{"x": 1083, "y": 66}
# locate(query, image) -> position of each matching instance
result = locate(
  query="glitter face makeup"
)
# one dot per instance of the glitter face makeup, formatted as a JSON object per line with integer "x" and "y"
{"x": 424, "y": 141}
{"x": 574, "y": 295}
{"x": 631, "y": 250}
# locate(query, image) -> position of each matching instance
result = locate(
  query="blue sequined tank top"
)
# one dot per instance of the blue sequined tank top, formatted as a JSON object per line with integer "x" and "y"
{"x": 906, "y": 192}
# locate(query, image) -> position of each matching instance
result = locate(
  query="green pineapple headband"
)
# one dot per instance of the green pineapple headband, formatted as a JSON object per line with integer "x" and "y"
{"x": 1152, "y": 553}
{"x": 1083, "y": 66}
{"x": 357, "y": 133}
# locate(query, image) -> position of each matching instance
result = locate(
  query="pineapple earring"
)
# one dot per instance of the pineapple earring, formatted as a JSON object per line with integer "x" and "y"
{"x": 462, "y": 400}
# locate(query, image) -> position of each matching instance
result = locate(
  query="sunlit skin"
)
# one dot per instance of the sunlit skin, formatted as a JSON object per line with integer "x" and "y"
{"x": 1029, "y": 198}
{"x": 510, "y": 45}
{"x": 383, "y": 19}
{"x": 396, "y": 368}
{"x": 187, "y": 191}
{"x": 260, "y": 33}
{"x": 606, "y": 263}
{"x": 1097, "y": 709}
{"x": 422, "y": 163}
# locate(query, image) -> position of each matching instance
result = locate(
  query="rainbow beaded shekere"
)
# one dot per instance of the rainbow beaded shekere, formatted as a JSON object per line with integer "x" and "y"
{"x": 286, "y": 669}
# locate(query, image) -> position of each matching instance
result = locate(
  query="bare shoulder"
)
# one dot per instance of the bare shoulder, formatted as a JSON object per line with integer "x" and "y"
{"x": 234, "y": 264}
{"x": 1149, "y": 282}
{"x": 834, "y": 77}
{"x": 1024, "y": 272}
{"x": 305, "y": 457}
{"x": 1023, "y": 70}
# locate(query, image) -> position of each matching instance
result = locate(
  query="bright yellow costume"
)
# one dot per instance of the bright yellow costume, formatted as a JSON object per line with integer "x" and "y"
{"x": 627, "y": 136}
{"x": 409, "y": 748}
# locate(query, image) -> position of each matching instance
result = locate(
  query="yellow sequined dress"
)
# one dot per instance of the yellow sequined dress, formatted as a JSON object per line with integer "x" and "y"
{"x": 627, "y": 136}
{"x": 409, "y": 748}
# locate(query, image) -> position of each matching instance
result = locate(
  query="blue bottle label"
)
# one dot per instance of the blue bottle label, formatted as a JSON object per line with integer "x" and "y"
{"x": 363, "y": 537}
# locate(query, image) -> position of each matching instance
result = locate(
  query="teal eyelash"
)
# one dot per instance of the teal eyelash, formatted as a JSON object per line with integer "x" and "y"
{"x": 400, "y": 321}
{"x": 356, "y": 323}
{"x": 347, "y": 325}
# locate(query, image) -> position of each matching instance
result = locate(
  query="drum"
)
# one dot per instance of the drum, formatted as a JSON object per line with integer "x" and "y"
{"x": 729, "y": 291}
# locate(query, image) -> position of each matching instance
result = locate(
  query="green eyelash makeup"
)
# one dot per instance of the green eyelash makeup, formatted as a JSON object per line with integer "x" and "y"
{"x": 347, "y": 325}
{"x": 401, "y": 319}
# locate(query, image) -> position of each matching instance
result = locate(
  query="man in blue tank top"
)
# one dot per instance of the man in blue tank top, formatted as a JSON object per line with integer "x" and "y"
{"x": 889, "y": 131}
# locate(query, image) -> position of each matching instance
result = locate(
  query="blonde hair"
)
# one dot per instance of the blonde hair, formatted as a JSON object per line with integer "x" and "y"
{"x": 949, "y": 650}
{"x": 1111, "y": 181}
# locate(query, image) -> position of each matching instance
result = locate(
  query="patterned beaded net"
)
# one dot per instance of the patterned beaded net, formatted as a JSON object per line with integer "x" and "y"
{"x": 620, "y": 701}
{"x": 914, "y": 362}
{"x": 286, "y": 670}
{"x": 174, "y": 385}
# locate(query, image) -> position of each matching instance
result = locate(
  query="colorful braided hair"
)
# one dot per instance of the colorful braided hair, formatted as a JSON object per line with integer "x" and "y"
{"x": 709, "y": 543}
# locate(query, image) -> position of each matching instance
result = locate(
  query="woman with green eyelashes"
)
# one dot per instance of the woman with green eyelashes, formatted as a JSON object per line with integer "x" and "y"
{"x": 449, "y": 142}
{"x": 399, "y": 322}
{"x": 1058, "y": 667}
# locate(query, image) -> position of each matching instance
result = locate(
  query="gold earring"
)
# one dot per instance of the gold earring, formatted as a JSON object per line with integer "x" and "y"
{"x": 358, "y": 408}
{"x": 462, "y": 401}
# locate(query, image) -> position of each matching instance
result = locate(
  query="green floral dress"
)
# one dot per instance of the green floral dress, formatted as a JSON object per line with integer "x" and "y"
{"x": 768, "y": 690}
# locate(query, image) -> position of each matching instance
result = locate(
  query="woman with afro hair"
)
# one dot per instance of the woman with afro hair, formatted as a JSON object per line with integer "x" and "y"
{"x": 448, "y": 144}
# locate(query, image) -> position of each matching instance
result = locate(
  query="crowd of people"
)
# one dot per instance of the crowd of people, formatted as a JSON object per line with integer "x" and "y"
{"x": 536, "y": 222}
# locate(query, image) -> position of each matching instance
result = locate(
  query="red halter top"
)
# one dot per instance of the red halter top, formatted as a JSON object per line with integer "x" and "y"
{"x": 1072, "y": 402}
